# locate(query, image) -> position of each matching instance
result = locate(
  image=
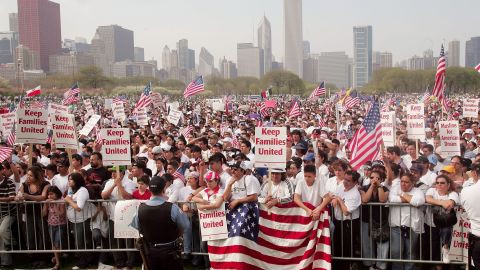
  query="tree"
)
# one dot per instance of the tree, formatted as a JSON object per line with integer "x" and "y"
{"x": 283, "y": 82}
{"x": 92, "y": 77}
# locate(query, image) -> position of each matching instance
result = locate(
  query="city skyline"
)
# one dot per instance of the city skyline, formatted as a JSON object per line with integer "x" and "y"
{"x": 328, "y": 30}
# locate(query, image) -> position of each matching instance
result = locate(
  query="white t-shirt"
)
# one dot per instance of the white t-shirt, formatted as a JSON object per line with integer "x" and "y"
{"x": 61, "y": 182}
{"x": 331, "y": 185}
{"x": 81, "y": 198}
{"x": 352, "y": 199}
{"x": 323, "y": 170}
{"x": 429, "y": 178}
{"x": 470, "y": 202}
{"x": 129, "y": 186}
{"x": 247, "y": 185}
{"x": 174, "y": 189}
{"x": 434, "y": 193}
{"x": 311, "y": 194}
{"x": 213, "y": 197}
{"x": 184, "y": 192}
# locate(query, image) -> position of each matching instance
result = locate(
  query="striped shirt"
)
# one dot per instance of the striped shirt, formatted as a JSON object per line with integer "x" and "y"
{"x": 7, "y": 189}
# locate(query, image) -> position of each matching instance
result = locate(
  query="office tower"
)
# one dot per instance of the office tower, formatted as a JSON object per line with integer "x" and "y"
{"x": 472, "y": 52}
{"x": 166, "y": 58}
{"x": 118, "y": 43}
{"x": 333, "y": 67}
{"x": 293, "y": 35}
{"x": 310, "y": 69}
{"x": 128, "y": 68}
{"x": 13, "y": 22}
{"x": 98, "y": 51}
{"x": 306, "y": 49}
{"x": 205, "y": 62}
{"x": 381, "y": 60}
{"x": 250, "y": 60}
{"x": 265, "y": 43}
{"x": 228, "y": 69}
{"x": 362, "y": 55}
{"x": 416, "y": 63}
{"x": 28, "y": 59}
{"x": 138, "y": 54}
{"x": 70, "y": 63}
{"x": 8, "y": 43}
{"x": 183, "y": 54}
{"x": 453, "y": 54}
{"x": 191, "y": 59}
{"x": 39, "y": 28}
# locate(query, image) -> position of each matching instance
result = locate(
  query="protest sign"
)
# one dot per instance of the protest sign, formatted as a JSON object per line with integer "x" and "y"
{"x": 156, "y": 100}
{"x": 89, "y": 107}
{"x": 89, "y": 125}
{"x": 64, "y": 133}
{"x": 6, "y": 123}
{"x": 173, "y": 105}
{"x": 115, "y": 146}
{"x": 53, "y": 109}
{"x": 125, "y": 212}
{"x": 31, "y": 126}
{"x": 174, "y": 116}
{"x": 387, "y": 120}
{"x": 142, "y": 117}
{"x": 470, "y": 107}
{"x": 218, "y": 106}
{"x": 271, "y": 147}
{"x": 449, "y": 138}
{"x": 416, "y": 121}
{"x": 213, "y": 224}
{"x": 119, "y": 111}
{"x": 459, "y": 243}
{"x": 108, "y": 103}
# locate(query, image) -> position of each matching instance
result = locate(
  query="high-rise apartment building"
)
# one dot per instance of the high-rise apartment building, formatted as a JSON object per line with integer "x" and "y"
{"x": 26, "y": 58}
{"x": 333, "y": 67}
{"x": 98, "y": 51}
{"x": 362, "y": 55}
{"x": 250, "y": 60}
{"x": 293, "y": 36}
{"x": 228, "y": 69}
{"x": 381, "y": 60}
{"x": 183, "y": 54}
{"x": 453, "y": 54}
{"x": 265, "y": 43}
{"x": 306, "y": 49}
{"x": 310, "y": 69}
{"x": 206, "y": 63}
{"x": 8, "y": 43}
{"x": 138, "y": 54}
{"x": 166, "y": 58}
{"x": 191, "y": 59}
{"x": 472, "y": 52}
{"x": 40, "y": 28}
{"x": 118, "y": 43}
{"x": 13, "y": 22}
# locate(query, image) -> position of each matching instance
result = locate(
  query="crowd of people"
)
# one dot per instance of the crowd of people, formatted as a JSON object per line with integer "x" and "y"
{"x": 401, "y": 206}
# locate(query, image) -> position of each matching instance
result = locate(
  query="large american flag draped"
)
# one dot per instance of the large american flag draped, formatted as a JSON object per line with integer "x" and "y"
{"x": 145, "y": 99}
{"x": 320, "y": 90}
{"x": 72, "y": 95}
{"x": 295, "y": 109}
{"x": 440, "y": 76}
{"x": 195, "y": 87}
{"x": 280, "y": 238}
{"x": 366, "y": 143}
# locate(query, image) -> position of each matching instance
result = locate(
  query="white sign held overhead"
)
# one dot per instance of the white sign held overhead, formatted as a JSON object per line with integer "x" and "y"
{"x": 90, "y": 125}
{"x": 31, "y": 126}
{"x": 7, "y": 121}
{"x": 416, "y": 121}
{"x": 115, "y": 146}
{"x": 449, "y": 138}
{"x": 387, "y": 120}
{"x": 119, "y": 111}
{"x": 174, "y": 116}
{"x": 142, "y": 117}
{"x": 470, "y": 107}
{"x": 53, "y": 109}
{"x": 89, "y": 107}
{"x": 271, "y": 147}
{"x": 64, "y": 133}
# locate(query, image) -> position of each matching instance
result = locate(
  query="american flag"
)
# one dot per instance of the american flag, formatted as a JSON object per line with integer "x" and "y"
{"x": 5, "y": 152}
{"x": 235, "y": 142}
{"x": 49, "y": 136}
{"x": 350, "y": 102}
{"x": 98, "y": 138}
{"x": 426, "y": 96}
{"x": 438, "y": 89}
{"x": 38, "y": 105}
{"x": 119, "y": 99}
{"x": 320, "y": 90}
{"x": 72, "y": 95}
{"x": 477, "y": 68}
{"x": 178, "y": 175}
{"x": 195, "y": 87}
{"x": 259, "y": 123}
{"x": 263, "y": 109}
{"x": 186, "y": 131}
{"x": 447, "y": 103}
{"x": 145, "y": 99}
{"x": 295, "y": 110}
{"x": 227, "y": 100}
{"x": 366, "y": 142}
{"x": 388, "y": 103}
{"x": 321, "y": 123}
{"x": 12, "y": 136}
{"x": 255, "y": 241}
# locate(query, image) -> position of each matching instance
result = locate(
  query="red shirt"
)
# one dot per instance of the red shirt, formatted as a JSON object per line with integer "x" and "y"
{"x": 145, "y": 196}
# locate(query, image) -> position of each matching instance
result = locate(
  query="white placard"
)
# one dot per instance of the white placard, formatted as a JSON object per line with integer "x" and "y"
{"x": 119, "y": 111}
{"x": 459, "y": 243}
{"x": 64, "y": 133}
{"x": 470, "y": 107}
{"x": 116, "y": 146}
{"x": 271, "y": 147}
{"x": 213, "y": 223}
{"x": 89, "y": 125}
{"x": 125, "y": 212}
{"x": 31, "y": 126}
{"x": 7, "y": 121}
{"x": 89, "y": 107}
{"x": 156, "y": 100}
{"x": 218, "y": 106}
{"x": 53, "y": 109}
{"x": 387, "y": 120}
{"x": 416, "y": 121}
{"x": 108, "y": 103}
{"x": 449, "y": 138}
{"x": 142, "y": 117}
{"x": 173, "y": 105}
{"x": 174, "y": 116}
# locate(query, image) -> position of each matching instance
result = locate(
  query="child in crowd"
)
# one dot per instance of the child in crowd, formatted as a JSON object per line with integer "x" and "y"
{"x": 57, "y": 220}
{"x": 309, "y": 189}
{"x": 142, "y": 192}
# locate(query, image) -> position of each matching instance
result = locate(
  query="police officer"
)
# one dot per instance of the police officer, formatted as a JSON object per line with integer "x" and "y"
{"x": 161, "y": 223}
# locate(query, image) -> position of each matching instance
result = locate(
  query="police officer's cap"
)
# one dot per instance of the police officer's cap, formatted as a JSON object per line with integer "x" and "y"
{"x": 157, "y": 184}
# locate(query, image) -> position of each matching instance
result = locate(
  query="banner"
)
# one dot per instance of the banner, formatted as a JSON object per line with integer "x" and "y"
{"x": 459, "y": 244}
{"x": 213, "y": 224}
{"x": 115, "y": 146}
{"x": 271, "y": 147}
{"x": 125, "y": 212}
{"x": 89, "y": 107}
{"x": 416, "y": 121}
{"x": 6, "y": 123}
{"x": 156, "y": 100}
{"x": 142, "y": 117}
{"x": 31, "y": 126}
{"x": 449, "y": 138}
{"x": 89, "y": 125}
{"x": 387, "y": 120}
{"x": 470, "y": 107}
{"x": 174, "y": 116}
{"x": 53, "y": 109}
{"x": 64, "y": 133}
{"x": 119, "y": 111}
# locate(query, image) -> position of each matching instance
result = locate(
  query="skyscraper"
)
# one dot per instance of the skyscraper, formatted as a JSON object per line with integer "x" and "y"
{"x": 250, "y": 60}
{"x": 265, "y": 43}
{"x": 118, "y": 43}
{"x": 453, "y": 54}
{"x": 472, "y": 52}
{"x": 293, "y": 35}
{"x": 381, "y": 60}
{"x": 13, "y": 22}
{"x": 191, "y": 59}
{"x": 182, "y": 50}
{"x": 228, "y": 69}
{"x": 138, "y": 54}
{"x": 166, "y": 58}
{"x": 333, "y": 68}
{"x": 205, "y": 62}
{"x": 306, "y": 49}
{"x": 8, "y": 43}
{"x": 362, "y": 55}
{"x": 39, "y": 28}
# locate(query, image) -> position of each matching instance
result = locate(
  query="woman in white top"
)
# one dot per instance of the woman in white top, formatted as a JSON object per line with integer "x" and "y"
{"x": 278, "y": 190}
{"x": 443, "y": 197}
{"x": 293, "y": 172}
{"x": 79, "y": 212}
{"x": 211, "y": 197}
{"x": 339, "y": 168}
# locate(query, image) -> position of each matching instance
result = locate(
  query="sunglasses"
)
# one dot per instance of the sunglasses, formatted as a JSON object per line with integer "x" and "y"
{"x": 374, "y": 177}
{"x": 441, "y": 183}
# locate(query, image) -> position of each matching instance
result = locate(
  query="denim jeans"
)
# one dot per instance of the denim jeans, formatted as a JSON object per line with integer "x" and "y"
{"x": 403, "y": 246}
{"x": 370, "y": 248}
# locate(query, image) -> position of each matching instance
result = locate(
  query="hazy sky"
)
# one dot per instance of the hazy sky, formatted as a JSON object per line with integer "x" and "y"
{"x": 404, "y": 28}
